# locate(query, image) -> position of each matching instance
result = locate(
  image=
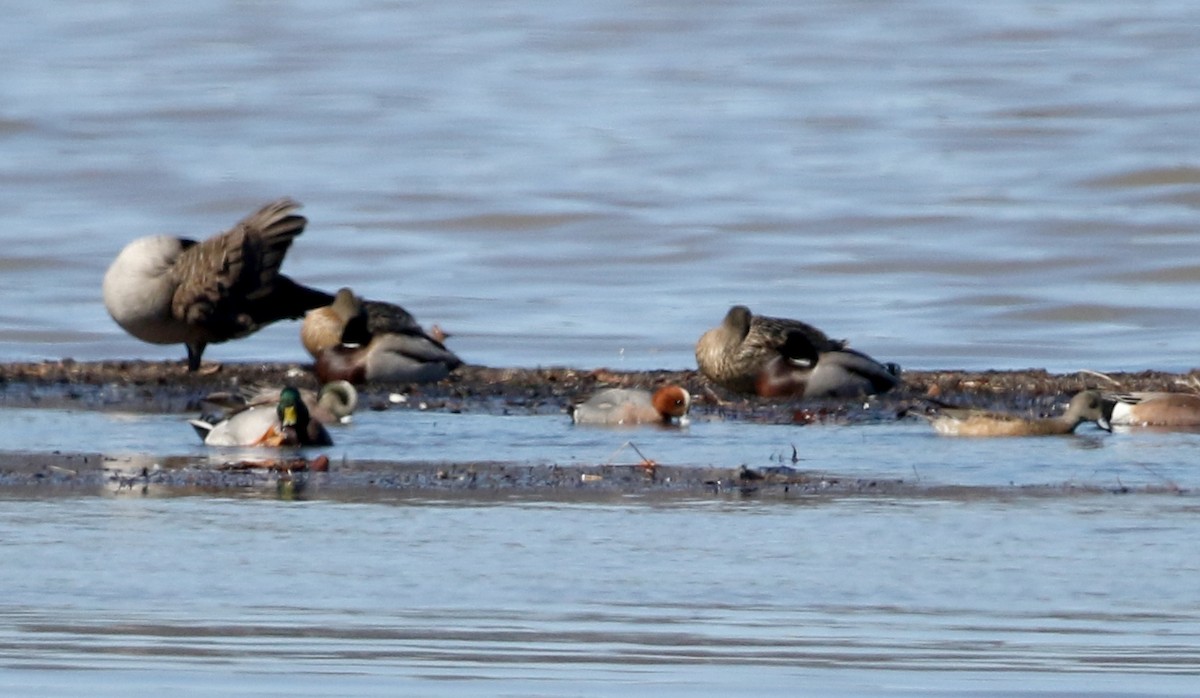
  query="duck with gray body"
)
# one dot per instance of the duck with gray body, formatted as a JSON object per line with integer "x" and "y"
{"x": 169, "y": 290}
{"x": 778, "y": 357}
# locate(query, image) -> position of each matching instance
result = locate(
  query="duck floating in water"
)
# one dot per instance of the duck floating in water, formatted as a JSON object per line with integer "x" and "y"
{"x": 287, "y": 423}
{"x": 777, "y": 357}
{"x": 1152, "y": 409}
{"x": 333, "y": 404}
{"x": 630, "y": 406}
{"x": 959, "y": 421}
{"x": 393, "y": 353}
{"x": 169, "y": 290}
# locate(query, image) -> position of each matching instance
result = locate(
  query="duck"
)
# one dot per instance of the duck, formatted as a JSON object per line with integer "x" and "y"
{"x": 630, "y": 406}
{"x": 171, "y": 290}
{"x": 323, "y": 327}
{"x": 1152, "y": 409}
{"x": 287, "y": 423}
{"x": 393, "y": 354}
{"x": 333, "y": 404}
{"x": 777, "y": 357}
{"x": 1085, "y": 406}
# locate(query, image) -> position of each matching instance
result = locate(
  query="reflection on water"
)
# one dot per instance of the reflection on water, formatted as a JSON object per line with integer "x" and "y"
{"x": 547, "y": 599}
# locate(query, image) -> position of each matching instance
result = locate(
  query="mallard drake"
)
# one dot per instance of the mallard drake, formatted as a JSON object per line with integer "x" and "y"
{"x": 169, "y": 290}
{"x": 287, "y": 423}
{"x": 958, "y": 421}
{"x": 323, "y": 327}
{"x": 333, "y": 404}
{"x": 395, "y": 353}
{"x": 1152, "y": 409}
{"x": 629, "y": 406}
{"x": 777, "y": 357}
{"x": 388, "y": 358}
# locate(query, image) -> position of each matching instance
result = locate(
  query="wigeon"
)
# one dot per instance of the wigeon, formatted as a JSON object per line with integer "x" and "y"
{"x": 1152, "y": 409}
{"x": 776, "y": 357}
{"x": 169, "y": 290}
{"x": 957, "y": 421}
{"x": 630, "y": 406}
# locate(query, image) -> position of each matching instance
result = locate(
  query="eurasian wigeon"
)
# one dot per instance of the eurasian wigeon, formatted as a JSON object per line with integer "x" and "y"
{"x": 776, "y": 357}
{"x": 958, "y": 421}
{"x": 630, "y": 406}
{"x": 1152, "y": 409}
{"x": 287, "y": 423}
{"x": 169, "y": 290}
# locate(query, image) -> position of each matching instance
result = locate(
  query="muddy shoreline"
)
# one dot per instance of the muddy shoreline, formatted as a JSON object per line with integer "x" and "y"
{"x": 164, "y": 387}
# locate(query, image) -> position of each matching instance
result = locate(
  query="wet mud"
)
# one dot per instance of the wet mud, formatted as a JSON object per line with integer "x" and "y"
{"x": 165, "y": 387}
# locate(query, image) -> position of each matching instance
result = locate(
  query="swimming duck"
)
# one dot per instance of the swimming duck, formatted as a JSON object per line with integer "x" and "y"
{"x": 1152, "y": 409}
{"x": 287, "y": 423}
{"x": 169, "y": 290}
{"x": 628, "y": 406}
{"x": 777, "y": 357}
{"x": 956, "y": 421}
{"x": 323, "y": 327}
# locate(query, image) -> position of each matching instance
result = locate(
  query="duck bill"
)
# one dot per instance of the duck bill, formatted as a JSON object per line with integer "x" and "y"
{"x": 289, "y": 416}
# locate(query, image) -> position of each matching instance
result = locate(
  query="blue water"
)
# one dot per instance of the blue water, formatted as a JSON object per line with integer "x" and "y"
{"x": 949, "y": 185}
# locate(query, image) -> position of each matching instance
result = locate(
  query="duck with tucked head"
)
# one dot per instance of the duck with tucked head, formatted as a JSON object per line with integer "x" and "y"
{"x": 1152, "y": 409}
{"x": 169, "y": 290}
{"x": 629, "y": 406}
{"x": 777, "y": 357}
{"x": 287, "y": 423}
{"x": 323, "y": 327}
{"x": 960, "y": 421}
{"x": 394, "y": 354}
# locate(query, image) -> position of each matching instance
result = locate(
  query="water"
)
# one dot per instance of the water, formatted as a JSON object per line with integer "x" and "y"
{"x": 711, "y": 598}
{"x": 949, "y": 185}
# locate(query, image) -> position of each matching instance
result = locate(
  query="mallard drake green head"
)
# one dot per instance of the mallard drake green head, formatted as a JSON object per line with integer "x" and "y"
{"x": 286, "y": 423}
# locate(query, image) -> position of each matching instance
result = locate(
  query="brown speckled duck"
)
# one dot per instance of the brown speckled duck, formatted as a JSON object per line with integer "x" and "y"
{"x": 168, "y": 290}
{"x": 777, "y": 357}
{"x": 957, "y": 421}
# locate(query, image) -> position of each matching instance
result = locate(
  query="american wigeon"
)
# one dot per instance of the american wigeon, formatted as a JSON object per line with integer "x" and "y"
{"x": 629, "y": 406}
{"x": 287, "y": 423}
{"x": 323, "y": 327}
{"x": 1152, "y": 409}
{"x": 957, "y": 421}
{"x": 777, "y": 357}
{"x": 169, "y": 290}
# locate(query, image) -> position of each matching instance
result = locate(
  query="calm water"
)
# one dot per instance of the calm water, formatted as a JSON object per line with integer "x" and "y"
{"x": 996, "y": 185}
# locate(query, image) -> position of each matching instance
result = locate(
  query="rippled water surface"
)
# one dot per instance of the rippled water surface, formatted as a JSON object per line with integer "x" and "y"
{"x": 949, "y": 185}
